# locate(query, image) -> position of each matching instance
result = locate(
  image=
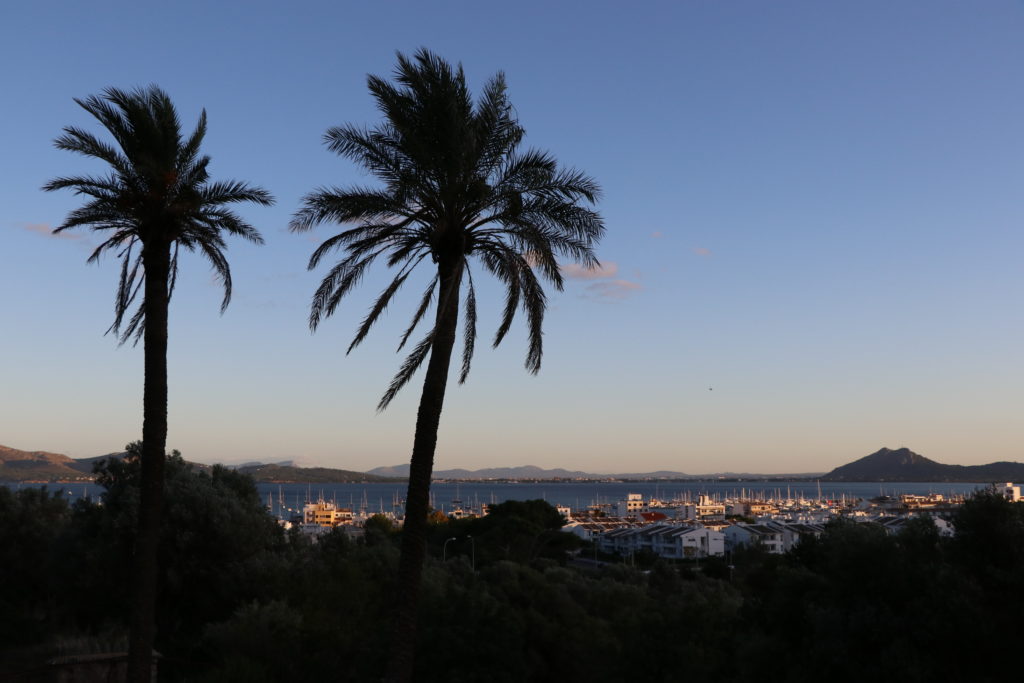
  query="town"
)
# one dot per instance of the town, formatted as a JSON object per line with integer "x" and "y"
{"x": 683, "y": 529}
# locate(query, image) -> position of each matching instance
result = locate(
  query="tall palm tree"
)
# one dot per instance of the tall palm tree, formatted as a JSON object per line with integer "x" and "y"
{"x": 156, "y": 199}
{"x": 455, "y": 186}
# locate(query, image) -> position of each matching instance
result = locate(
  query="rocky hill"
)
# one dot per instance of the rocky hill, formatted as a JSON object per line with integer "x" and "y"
{"x": 903, "y": 464}
{"x": 41, "y": 466}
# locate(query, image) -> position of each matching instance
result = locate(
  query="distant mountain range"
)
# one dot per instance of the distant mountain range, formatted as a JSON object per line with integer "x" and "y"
{"x": 905, "y": 465}
{"x": 528, "y": 472}
{"x": 884, "y": 465}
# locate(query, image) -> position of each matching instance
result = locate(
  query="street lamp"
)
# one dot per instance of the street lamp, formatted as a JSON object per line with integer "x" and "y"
{"x": 444, "y": 549}
{"x": 473, "y": 548}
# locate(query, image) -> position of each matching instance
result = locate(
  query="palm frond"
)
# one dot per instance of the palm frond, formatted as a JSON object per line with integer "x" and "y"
{"x": 534, "y": 304}
{"x": 381, "y": 304}
{"x": 127, "y": 288}
{"x": 469, "y": 332}
{"x": 233, "y": 191}
{"x": 409, "y": 367}
{"x": 336, "y": 285}
{"x": 425, "y": 300}
{"x": 220, "y": 268}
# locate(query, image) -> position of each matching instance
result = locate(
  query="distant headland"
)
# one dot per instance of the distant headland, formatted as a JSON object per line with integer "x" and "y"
{"x": 904, "y": 464}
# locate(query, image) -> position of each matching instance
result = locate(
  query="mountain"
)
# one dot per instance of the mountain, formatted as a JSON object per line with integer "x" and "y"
{"x": 288, "y": 474}
{"x": 905, "y": 465}
{"x": 40, "y": 466}
{"x": 523, "y": 472}
{"x": 533, "y": 472}
{"x": 257, "y": 463}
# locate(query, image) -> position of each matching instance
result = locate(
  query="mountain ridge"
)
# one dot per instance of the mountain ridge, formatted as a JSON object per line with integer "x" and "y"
{"x": 18, "y": 465}
{"x": 886, "y": 464}
{"x": 903, "y": 464}
{"x": 534, "y": 472}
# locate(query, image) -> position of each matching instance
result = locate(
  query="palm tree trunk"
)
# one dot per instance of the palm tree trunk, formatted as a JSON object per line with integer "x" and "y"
{"x": 156, "y": 261}
{"x": 417, "y": 500}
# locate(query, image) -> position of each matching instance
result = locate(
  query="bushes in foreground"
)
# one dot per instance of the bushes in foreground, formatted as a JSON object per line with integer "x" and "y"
{"x": 241, "y": 601}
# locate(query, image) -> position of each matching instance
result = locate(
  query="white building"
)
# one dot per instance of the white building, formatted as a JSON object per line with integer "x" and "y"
{"x": 1008, "y": 491}
{"x": 672, "y": 541}
{"x": 704, "y": 509}
{"x": 768, "y": 538}
{"x": 591, "y": 528}
{"x": 632, "y": 506}
{"x": 792, "y": 532}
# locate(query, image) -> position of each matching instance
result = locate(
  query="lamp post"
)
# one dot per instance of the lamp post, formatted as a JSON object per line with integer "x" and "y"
{"x": 473, "y": 550}
{"x": 444, "y": 549}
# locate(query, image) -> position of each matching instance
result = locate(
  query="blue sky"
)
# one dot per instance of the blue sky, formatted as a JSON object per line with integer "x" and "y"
{"x": 814, "y": 243}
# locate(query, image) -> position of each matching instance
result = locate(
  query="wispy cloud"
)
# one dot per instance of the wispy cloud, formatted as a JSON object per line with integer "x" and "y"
{"x": 609, "y": 288}
{"x": 701, "y": 251}
{"x": 575, "y": 271}
{"x": 47, "y": 231}
{"x": 613, "y": 290}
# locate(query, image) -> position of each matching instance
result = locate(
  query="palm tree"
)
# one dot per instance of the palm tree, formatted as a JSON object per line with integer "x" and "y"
{"x": 156, "y": 199}
{"x": 455, "y": 186}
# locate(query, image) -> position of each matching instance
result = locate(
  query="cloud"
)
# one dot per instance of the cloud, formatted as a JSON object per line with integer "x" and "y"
{"x": 47, "y": 231}
{"x": 614, "y": 290}
{"x": 609, "y": 288}
{"x": 575, "y": 271}
{"x": 701, "y": 251}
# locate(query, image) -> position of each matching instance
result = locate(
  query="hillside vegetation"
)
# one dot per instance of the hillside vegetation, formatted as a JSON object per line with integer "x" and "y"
{"x": 243, "y": 601}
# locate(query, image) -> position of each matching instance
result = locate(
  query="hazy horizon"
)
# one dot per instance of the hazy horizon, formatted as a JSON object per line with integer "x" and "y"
{"x": 813, "y": 240}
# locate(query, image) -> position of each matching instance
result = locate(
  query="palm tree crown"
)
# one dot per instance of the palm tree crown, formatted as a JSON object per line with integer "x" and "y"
{"x": 454, "y": 186}
{"x": 156, "y": 196}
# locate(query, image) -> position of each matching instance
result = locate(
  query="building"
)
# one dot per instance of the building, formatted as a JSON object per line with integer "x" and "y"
{"x": 793, "y": 532}
{"x": 632, "y": 506}
{"x": 705, "y": 509}
{"x": 591, "y": 528}
{"x": 1008, "y": 491}
{"x": 671, "y": 541}
{"x": 325, "y": 514}
{"x": 766, "y": 537}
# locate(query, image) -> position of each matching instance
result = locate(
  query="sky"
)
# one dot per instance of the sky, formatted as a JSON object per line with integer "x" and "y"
{"x": 813, "y": 248}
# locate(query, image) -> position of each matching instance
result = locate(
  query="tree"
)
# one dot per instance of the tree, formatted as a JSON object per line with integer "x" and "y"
{"x": 455, "y": 186}
{"x": 31, "y": 520}
{"x": 156, "y": 199}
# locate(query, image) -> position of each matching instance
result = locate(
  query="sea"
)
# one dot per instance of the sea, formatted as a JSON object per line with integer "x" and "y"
{"x": 446, "y": 496}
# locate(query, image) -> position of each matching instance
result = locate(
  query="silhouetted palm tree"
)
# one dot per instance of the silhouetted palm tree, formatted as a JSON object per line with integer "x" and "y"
{"x": 455, "y": 186}
{"x": 156, "y": 199}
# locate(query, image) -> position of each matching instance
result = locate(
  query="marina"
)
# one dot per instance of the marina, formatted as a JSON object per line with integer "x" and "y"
{"x": 382, "y": 497}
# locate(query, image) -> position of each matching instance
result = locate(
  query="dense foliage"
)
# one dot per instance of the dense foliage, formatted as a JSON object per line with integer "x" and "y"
{"x": 503, "y": 601}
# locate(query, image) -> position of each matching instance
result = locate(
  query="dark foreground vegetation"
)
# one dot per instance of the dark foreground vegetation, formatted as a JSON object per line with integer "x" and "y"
{"x": 241, "y": 600}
